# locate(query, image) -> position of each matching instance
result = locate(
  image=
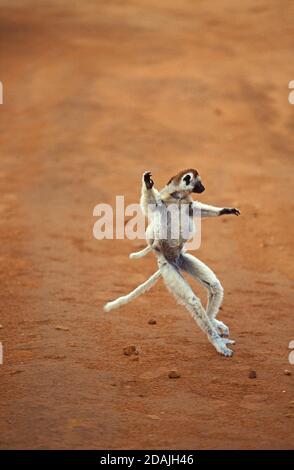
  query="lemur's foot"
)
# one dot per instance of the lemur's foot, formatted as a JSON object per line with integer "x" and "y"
{"x": 221, "y": 327}
{"x": 228, "y": 341}
{"x": 147, "y": 179}
{"x": 230, "y": 210}
{"x": 220, "y": 345}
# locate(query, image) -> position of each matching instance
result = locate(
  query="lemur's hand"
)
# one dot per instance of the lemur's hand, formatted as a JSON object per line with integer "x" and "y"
{"x": 147, "y": 179}
{"x": 230, "y": 210}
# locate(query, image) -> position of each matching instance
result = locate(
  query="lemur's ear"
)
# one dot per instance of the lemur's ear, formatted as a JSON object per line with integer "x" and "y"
{"x": 187, "y": 179}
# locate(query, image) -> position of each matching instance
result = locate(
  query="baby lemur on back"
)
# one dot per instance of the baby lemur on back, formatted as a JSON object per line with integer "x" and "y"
{"x": 171, "y": 256}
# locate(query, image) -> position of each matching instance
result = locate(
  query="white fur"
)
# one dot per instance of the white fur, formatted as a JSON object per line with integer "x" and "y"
{"x": 135, "y": 293}
{"x": 170, "y": 270}
{"x": 206, "y": 210}
{"x": 180, "y": 288}
{"x": 140, "y": 254}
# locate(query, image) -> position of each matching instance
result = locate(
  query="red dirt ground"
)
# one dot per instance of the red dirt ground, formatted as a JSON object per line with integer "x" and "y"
{"x": 94, "y": 94}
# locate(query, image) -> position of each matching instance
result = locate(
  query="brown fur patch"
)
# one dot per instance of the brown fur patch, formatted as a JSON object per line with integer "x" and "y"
{"x": 176, "y": 179}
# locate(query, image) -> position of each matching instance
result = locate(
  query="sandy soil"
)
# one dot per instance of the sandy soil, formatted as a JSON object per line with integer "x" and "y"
{"x": 95, "y": 92}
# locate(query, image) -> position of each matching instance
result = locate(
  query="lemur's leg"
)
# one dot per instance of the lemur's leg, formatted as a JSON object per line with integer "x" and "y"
{"x": 208, "y": 279}
{"x": 180, "y": 288}
{"x": 135, "y": 293}
{"x": 140, "y": 254}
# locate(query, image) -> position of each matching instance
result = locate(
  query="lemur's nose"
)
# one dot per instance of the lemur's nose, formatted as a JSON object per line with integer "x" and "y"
{"x": 199, "y": 188}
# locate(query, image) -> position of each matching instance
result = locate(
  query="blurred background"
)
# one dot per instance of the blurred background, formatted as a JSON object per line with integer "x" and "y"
{"x": 94, "y": 93}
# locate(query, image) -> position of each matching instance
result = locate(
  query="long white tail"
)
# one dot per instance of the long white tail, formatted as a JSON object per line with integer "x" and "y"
{"x": 135, "y": 293}
{"x": 140, "y": 254}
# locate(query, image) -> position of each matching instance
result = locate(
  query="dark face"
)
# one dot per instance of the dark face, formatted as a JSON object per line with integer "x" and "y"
{"x": 198, "y": 187}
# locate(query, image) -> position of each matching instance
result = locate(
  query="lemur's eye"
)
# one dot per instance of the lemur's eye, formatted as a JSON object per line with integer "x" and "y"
{"x": 187, "y": 178}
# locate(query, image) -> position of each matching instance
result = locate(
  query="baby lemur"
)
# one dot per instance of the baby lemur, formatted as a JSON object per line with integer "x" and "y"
{"x": 171, "y": 255}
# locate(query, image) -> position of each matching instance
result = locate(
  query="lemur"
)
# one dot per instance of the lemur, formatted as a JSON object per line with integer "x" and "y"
{"x": 172, "y": 258}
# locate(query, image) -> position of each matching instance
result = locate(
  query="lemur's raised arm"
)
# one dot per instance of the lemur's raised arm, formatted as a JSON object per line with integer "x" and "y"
{"x": 149, "y": 194}
{"x": 212, "y": 211}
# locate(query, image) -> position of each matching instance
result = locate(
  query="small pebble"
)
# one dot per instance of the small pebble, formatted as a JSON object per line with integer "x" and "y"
{"x": 152, "y": 322}
{"x": 173, "y": 374}
{"x": 62, "y": 328}
{"x": 130, "y": 350}
{"x": 135, "y": 358}
{"x": 55, "y": 356}
{"x": 153, "y": 417}
{"x": 252, "y": 374}
{"x": 17, "y": 371}
{"x": 287, "y": 372}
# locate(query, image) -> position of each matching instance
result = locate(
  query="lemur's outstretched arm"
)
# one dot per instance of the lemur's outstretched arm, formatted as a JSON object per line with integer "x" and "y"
{"x": 212, "y": 211}
{"x": 149, "y": 195}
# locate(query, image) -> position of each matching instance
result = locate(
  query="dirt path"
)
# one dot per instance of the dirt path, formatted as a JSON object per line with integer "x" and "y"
{"x": 93, "y": 95}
